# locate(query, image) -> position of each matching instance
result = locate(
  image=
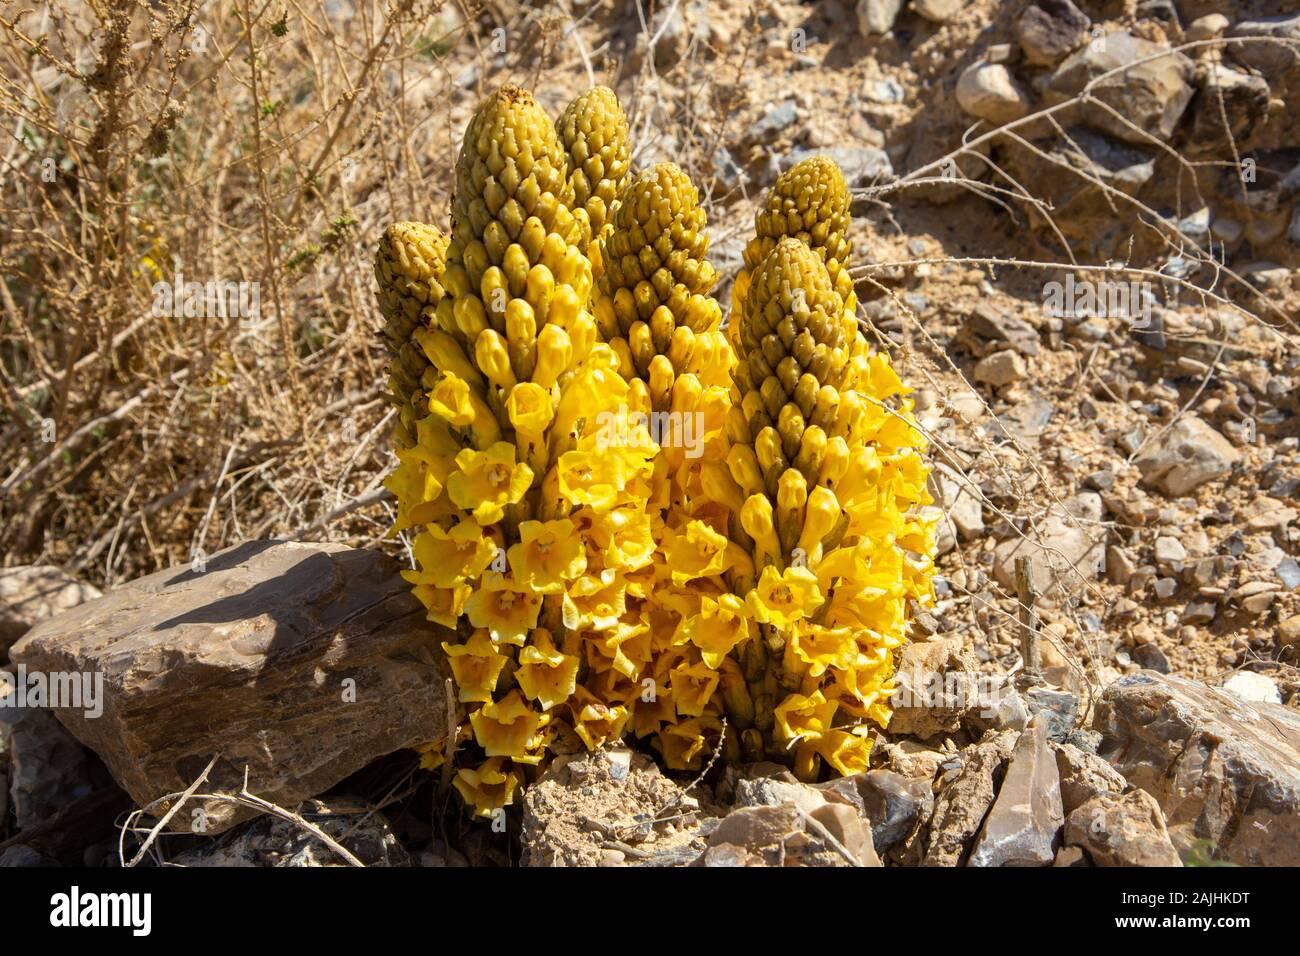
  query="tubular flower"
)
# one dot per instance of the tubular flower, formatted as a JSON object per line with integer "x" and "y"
{"x": 409, "y": 263}
{"x": 626, "y": 519}
{"x": 824, "y": 444}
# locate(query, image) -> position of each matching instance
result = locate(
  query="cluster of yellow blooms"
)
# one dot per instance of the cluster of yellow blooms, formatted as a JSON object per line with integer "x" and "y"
{"x": 630, "y": 519}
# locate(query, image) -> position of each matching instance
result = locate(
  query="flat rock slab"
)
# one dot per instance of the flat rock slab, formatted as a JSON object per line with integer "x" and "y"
{"x": 299, "y": 662}
{"x": 1224, "y": 770}
{"x": 1022, "y": 827}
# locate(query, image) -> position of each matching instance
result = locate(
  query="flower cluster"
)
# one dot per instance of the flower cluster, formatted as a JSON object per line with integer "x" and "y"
{"x": 595, "y": 576}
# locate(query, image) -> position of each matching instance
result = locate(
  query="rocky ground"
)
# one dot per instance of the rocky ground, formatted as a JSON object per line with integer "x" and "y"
{"x": 1145, "y": 457}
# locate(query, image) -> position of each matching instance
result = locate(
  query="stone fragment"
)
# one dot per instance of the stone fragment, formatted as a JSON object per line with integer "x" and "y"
{"x": 990, "y": 91}
{"x": 298, "y": 663}
{"x": 1185, "y": 457}
{"x": 962, "y": 803}
{"x": 1122, "y": 830}
{"x": 1022, "y": 827}
{"x": 1050, "y": 29}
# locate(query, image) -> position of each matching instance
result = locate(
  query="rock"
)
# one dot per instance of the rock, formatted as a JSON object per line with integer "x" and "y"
{"x": 989, "y": 91}
{"x": 961, "y": 805}
{"x": 938, "y": 11}
{"x": 1255, "y": 687}
{"x": 1209, "y": 27}
{"x": 1063, "y": 553}
{"x": 1122, "y": 830}
{"x": 1151, "y": 657}
{"x": 32, "y": 593}
{"x": 937, "y": 687}
{"x": 1273, "y": 60}
{"x": 896, "y": 805}
{"x": 1150, "y": 94}
{"x": 1222, "y": 769}
{"x": 786, "y": 836}
{"x": 580, "y": 803}
{"x": 1001, "y": 368}
{"x": 1083, "y": 775}
{"x": 877, "y": 16}
{"x": 1070, "y": 856}
{"x": 1021, "y": 828}
{"x": 48, "y": 768}
{"x": 1050, "y": 29}
{"x": 845, "y": 826}
{"x": 772, "y": 123}
{"x": 21, "y": 855}
{"x": 273, "y": 842}
{"x": 861, "y": 165}
{"x": 1288, "y": 632}
{"x": 300, "y": 662}
{"x": 1185, "y": 457}
{"x": 1058, "y": 707}
{"x": 1244, "y": 98}
{"x": 960, "y": 500}
{"x": 986, "y": 325}
{"x": 727, "y": 854}
{"x": 771, "y": 792}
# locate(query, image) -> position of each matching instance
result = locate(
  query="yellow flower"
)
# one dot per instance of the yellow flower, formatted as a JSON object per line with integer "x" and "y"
{"x": 508, "y": 611}
{"x": 444, "y": 605}
{"x": 487, "y": 788}
{"x": 530, "y": 409}
{"x": 598, "y": 477}
{"x": 821, "y": 647}
{"x": 446, "y": 558}
{"x": 476, "y": 665}
{"x": 596, "y": 722}
{"x": 509, "y": 728}
{"x": 719, "y": 626}
{"x": 692, "y": 687}
{"x": 595, "y": 602}
{"x": 545, "y": 674}
{"x": 624, "y": 648}
{"x": 621, "y": 537}
{"x": 783, "y": 597}
{"x": 684, "y": 744}
{"x": 548, "y": 555}
{"x": 800, "y": 716}
{"x": 486, "y": 481}
{"x": 697, "y": 552}
{"x": 847, "y": 752}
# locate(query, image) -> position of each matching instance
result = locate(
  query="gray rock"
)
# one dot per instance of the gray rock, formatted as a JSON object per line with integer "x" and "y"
{"x": 896, "y": 805}
{"x": 1241, "y": 97}
{"x": 775, "y": 121}
{"x": 273, "y": 842}
{"x": 1151, "y": 94}
{"x": 962, "y": 804}
{"x": 33, "y": 593}
{"x": 1001, "y": 368}
{"x": 1273, "y": 60}
{"x": 1083, "y": 775}
{"x": 1122, "y": 830}
{"x": 1222, "y": 769}
{"x": 988, "y": 325}
{"x": 1251, "y": 686}
{"x": 1064, "y": 552}
{"x": 1021, "y": 828}
{"x": 937, "y": 687}
{"x": 1050, "y": 29}
{"x": 1151, "y": 657}
{"x": 48, "y": 768}
{"x": 990, "y": 91}
{"x": 1058, "y": 707}
{"x": 1185, "y": 457}
{"x": 877, "y": 16}
{"x": 300, "y": 662}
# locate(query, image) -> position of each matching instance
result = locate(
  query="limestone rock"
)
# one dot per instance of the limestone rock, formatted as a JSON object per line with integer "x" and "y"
{"x": 877, "y": 16}
{"x": 1186, "y": 457}
{"x": 896, "y": 805}
{"x": 937, "y": 687}
{"x": 962, "y": 803}
{"x": 989, "y": 91}
{"x": 1122, "y": 830}
{"x": 938, "y": 11}
{"x": 299, "y": 662}
{"x": 1083, "y": 776}
{"x": 1151, "y": 94}
{"x": 1222, "y": 769}
{"x": 1021, "y": 828}
{"x": 1050, "y": 29}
